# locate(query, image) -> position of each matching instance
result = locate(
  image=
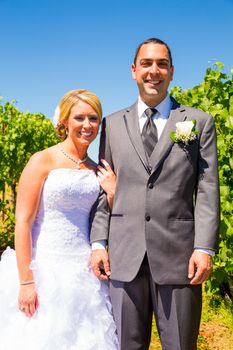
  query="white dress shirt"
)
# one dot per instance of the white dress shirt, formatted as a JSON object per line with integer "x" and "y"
{"x": 160, "y": 119}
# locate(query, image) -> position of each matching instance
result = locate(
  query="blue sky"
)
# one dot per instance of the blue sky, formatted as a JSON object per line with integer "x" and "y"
{"x": 49, "y": 47}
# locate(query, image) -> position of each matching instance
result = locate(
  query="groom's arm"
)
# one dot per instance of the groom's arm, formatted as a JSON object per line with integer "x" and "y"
{"x": 206, "y": 206}
{"x": 100, "y": 218}
{"x": 206, "y": 212}
{"x": 101, "y": 213}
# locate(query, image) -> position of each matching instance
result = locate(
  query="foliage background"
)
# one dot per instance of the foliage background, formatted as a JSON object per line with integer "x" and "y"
{"x": 21, "y": 135}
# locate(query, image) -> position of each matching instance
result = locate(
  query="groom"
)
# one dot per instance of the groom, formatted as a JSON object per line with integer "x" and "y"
{"x": 161, "y": 232}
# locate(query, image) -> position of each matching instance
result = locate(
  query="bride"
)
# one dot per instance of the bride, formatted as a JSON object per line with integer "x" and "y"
{"x": 61, "y": 304}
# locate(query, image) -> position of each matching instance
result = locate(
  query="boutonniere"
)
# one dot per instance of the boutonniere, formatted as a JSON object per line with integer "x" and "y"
{"x": 185, "y": 132}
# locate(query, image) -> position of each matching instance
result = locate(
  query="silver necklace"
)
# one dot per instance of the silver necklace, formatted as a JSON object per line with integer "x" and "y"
{"x": 78, "y": 162}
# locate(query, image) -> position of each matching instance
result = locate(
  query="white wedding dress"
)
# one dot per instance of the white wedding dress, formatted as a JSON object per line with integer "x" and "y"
{"x": 75, "y": 310}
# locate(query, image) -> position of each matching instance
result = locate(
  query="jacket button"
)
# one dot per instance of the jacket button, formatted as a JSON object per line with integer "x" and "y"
{"x": 148, "y": 218}
{"x": 150, "y": 185}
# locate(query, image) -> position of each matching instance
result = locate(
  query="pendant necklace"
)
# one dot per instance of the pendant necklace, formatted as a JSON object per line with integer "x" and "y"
{"x": 78, "y": 162}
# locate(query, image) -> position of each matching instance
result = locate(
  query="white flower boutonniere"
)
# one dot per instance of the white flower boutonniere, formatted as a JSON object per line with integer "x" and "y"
{"x": 185, "y": 132}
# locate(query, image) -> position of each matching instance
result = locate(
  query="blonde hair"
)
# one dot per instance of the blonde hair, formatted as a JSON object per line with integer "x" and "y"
{"x": 69, "y": 100}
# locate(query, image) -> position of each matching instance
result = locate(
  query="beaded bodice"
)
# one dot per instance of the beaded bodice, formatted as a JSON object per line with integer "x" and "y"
{"x": 62, "y": 221}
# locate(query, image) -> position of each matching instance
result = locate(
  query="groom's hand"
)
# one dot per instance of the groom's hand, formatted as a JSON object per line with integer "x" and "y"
{"x": 100, "y": 264}
{"x": 200, "y": 265}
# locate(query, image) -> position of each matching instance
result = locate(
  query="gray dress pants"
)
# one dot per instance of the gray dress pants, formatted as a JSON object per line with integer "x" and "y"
{"x": 177, "y": 310}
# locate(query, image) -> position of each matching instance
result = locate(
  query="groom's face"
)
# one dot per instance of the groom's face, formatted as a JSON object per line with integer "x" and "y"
{"x": 153, "y": 73}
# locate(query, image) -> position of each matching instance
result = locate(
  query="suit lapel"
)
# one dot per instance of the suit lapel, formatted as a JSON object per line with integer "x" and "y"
{"x": 132, "y": 127}
{"x": 165, "y": 143}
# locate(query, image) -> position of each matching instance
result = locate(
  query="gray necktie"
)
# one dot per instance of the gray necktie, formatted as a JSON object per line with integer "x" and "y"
{"x": 149, "y": 132}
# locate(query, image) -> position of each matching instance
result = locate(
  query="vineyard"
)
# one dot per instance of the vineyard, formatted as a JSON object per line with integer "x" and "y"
{"x": 22, "y": 134}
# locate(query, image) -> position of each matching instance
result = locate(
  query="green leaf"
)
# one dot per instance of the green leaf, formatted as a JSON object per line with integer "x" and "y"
{"x": 219, "y": 64}
{"x": 173, "y": 136}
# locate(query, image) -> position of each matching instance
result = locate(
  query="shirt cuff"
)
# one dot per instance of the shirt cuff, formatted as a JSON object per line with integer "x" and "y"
{"x": 206, "y": 251}
{"x": 99, "y": 244}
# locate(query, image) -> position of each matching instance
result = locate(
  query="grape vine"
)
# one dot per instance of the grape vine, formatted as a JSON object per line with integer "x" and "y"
{"x": 21, "y": 135}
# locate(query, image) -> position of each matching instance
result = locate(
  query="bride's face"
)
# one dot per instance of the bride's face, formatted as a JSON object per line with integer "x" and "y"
{"x": 83, "y": 123}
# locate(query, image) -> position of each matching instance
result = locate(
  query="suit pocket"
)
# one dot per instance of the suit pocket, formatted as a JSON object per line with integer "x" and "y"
{"x": 182, "y": 229}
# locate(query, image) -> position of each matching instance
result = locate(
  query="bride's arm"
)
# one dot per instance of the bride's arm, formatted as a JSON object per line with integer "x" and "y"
{"x": 28, "y": 196}
{"x": 107, "y": 180}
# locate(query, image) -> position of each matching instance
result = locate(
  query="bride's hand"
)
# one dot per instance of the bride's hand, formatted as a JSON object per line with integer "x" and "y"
{"x": 107, "y": 180}
{"x": 28, "y": 299}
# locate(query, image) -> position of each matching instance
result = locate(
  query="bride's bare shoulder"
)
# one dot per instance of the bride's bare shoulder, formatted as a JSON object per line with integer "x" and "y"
{"x": 43, "y": 161}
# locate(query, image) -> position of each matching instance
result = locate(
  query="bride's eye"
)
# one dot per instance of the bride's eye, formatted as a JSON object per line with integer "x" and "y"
{"x": 79, "y": 117}
{"x": 93, "y": 118}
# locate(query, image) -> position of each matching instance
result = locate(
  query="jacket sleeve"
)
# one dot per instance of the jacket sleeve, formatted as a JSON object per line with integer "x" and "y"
{"x": 100, "y": 214}
{"x": 207, "y": 191}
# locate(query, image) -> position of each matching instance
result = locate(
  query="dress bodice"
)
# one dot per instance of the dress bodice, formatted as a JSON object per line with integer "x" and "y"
{"x": 62, "y": 220}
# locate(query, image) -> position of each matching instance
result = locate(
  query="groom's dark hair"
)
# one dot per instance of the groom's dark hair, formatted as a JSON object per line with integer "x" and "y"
{"x": 153, "y": 41}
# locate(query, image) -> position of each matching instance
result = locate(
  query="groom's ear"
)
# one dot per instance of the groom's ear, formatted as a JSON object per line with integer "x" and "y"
{"x": 133, "y": 71}
{"x": 171, "y": 72}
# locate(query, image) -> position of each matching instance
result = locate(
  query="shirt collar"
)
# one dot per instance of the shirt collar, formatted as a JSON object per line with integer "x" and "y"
{"x": 163, "y": 108}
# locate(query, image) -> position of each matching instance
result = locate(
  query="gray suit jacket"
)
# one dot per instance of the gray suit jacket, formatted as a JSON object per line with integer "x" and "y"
{"x": 165, "y": 208}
